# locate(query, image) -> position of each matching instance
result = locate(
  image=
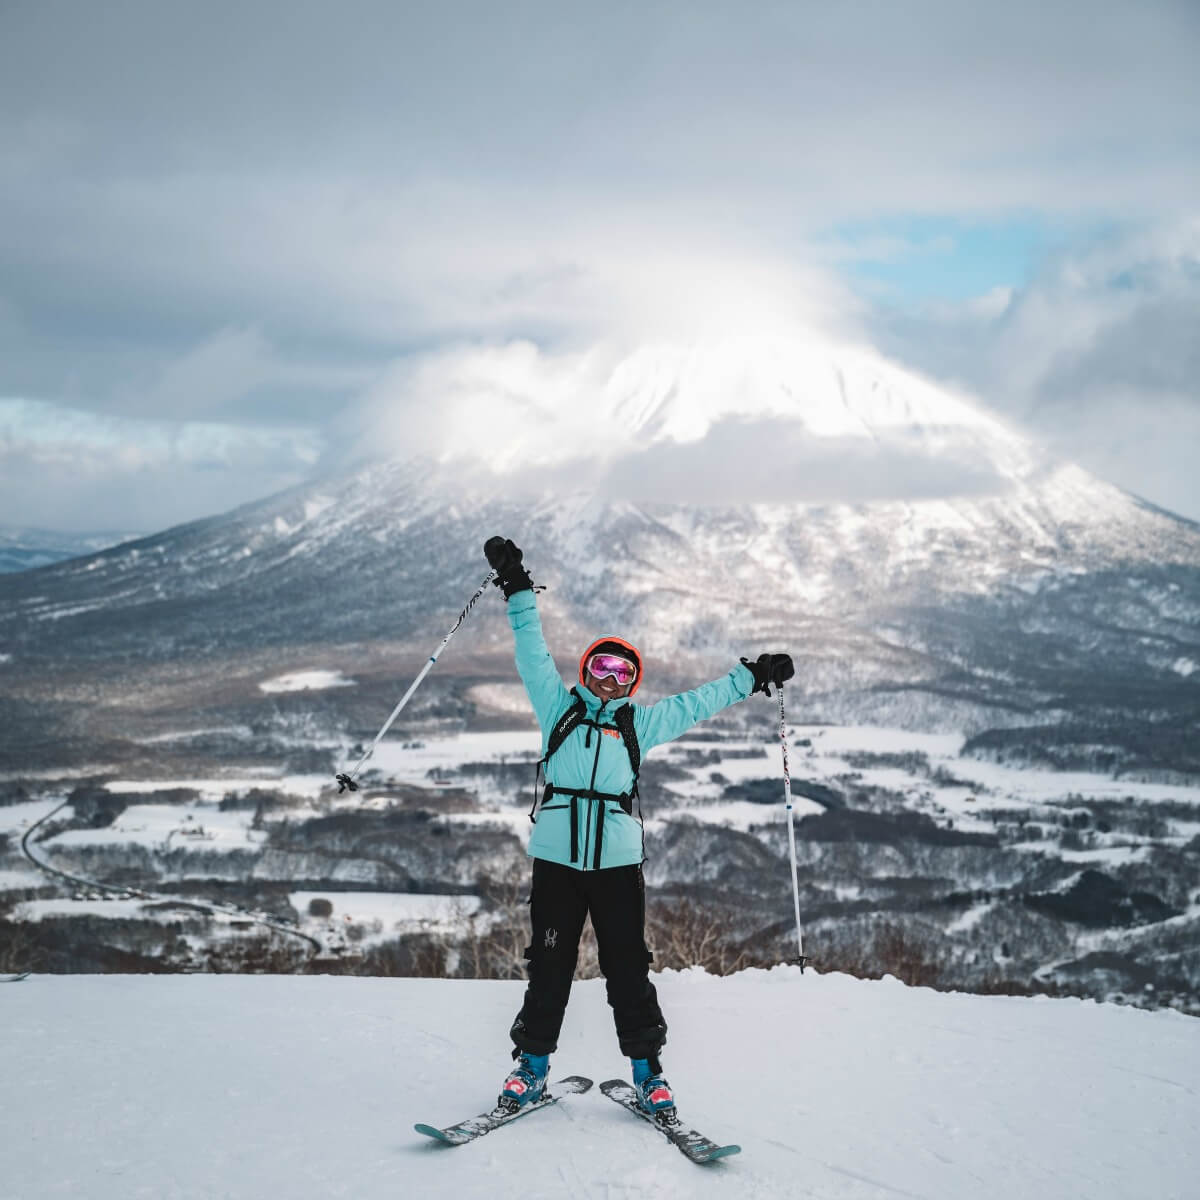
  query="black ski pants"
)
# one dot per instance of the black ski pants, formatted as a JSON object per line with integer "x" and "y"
{"x": 560, "y": 900}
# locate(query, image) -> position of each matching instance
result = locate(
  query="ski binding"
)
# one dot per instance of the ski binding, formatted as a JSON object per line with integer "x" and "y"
{"x": 690, "y": 1142}
{"x": 474, "y": 1127}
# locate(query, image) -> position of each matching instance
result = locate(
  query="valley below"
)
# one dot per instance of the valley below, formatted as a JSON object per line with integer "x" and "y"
{"x": 994, "y": 734}
{"x": 932, "y": 857}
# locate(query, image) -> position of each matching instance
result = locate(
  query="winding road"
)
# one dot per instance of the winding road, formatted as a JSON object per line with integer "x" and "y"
{"x": 216, "y": 909}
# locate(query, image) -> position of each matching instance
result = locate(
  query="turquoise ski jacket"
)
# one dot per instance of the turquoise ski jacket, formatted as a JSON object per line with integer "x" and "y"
{"x": 596, "y": 760}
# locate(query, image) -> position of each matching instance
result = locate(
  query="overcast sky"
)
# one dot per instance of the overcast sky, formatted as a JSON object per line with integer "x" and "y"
{"x": 223, "y": 228}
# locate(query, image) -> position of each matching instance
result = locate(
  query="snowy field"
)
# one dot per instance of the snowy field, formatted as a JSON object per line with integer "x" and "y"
{"x": 13, "y": 881}
{"x": 213, "y": 789}
{"x": 15, "y": 819}
{"x": 305, "y": 681}
{"x": 412, "y": 762}
{"x": 193, "y": 1087}
{"x": 943, "y": 784}
{"x": 162, "y": 825}
{"x": 383, "y": 915}
{"x": 479, "y": 783}
{"x": 831, "y": 743}
{"x": 112, "y": 907}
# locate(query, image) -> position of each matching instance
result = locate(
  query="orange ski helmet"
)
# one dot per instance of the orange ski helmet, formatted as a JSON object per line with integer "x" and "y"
{"x": 613, "y": 645}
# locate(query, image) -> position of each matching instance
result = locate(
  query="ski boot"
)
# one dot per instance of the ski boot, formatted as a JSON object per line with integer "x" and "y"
{"x": 526, "y": 1082}
{"x": 654, "y": 1092}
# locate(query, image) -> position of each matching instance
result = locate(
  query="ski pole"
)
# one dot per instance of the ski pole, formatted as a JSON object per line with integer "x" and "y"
{"x": 346, "y": 779}
{"x": 787, "y": 795}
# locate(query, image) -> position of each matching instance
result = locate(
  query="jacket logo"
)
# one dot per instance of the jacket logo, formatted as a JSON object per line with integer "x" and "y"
{"x": 551, "y": 938}
{"x": 610, "y": 732}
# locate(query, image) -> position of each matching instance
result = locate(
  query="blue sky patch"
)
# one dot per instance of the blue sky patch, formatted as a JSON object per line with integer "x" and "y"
{"x": 914, "y": 260}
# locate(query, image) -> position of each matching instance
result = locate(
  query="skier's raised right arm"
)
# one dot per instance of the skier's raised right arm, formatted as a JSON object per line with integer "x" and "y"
{"x": 547, "y": 692}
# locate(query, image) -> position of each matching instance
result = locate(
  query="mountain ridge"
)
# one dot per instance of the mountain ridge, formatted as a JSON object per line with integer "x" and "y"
{"x": 1053, "y": 595}
{"x": 24, "y": 548}
{"x": 392, "y": 552}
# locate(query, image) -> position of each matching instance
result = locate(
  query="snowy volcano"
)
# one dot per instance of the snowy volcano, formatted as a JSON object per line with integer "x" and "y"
{"x": 1036, "y": 617}
{"x": 977, "y": 586}
{"x": 733, "y": 420}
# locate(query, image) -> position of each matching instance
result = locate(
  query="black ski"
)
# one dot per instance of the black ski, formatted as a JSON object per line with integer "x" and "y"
{"x": 690, "y": 1142}
{"x": 14, "y": 978}
{"x": 473, "y": 1127}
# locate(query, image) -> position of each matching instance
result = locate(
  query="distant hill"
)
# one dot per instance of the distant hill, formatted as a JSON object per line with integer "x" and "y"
{"x": 22, "y": 549}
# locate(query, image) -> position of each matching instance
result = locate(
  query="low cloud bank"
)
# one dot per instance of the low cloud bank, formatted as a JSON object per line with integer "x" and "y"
{"x": 1098, "y": 357}
{"x": 68, "y": 469}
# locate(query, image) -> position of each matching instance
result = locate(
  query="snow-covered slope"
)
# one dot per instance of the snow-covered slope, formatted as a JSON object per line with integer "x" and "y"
{"x": 679, "y": 392}
{"x": 249, "y": 1087}
{"x": 967, "y": 613}
{"x": 393, "y": 548}
{"x": 1034, "y": 589}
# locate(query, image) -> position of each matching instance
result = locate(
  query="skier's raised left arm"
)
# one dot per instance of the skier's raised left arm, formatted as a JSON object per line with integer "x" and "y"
{"x": 675, "y": 715}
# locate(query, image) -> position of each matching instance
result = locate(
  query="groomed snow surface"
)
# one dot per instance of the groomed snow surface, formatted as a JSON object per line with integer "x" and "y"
{"x": 173, "y": 1087}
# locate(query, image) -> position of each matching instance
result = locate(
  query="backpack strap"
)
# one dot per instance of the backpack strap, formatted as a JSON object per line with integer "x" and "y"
{"x": 623, "y": 719}
{"x": 564, "y": 725}
{"x": 562, "y": 728}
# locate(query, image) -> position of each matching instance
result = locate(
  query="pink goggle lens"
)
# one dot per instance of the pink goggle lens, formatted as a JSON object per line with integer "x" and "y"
{"x": 601, "y": 665}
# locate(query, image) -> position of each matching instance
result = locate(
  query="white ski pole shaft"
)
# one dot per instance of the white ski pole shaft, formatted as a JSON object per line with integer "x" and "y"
{"x": 346, "y": 780}
{"x": 787, "y": 796}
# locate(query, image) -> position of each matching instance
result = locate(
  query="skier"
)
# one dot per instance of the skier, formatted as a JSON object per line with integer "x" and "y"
{"x": 587, "y": 846}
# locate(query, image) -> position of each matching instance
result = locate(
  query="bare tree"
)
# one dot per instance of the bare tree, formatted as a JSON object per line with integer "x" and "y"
{"x": 18, "y": 951}
{"x": 690, "y": 932}
{"x": 497, "y": 933}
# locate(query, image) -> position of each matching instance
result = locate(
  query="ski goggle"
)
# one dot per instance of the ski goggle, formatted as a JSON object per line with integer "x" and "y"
{"x": 602, "y": 665}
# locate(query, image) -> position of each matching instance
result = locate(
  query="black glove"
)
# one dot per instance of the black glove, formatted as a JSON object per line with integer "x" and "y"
{"x": 505, "y": 559}
{"x": 768, "y": 669}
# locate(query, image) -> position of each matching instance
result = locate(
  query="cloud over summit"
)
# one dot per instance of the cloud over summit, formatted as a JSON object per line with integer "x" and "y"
{"x": 261, "y": 214}
{"x": 794, "y": 417}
